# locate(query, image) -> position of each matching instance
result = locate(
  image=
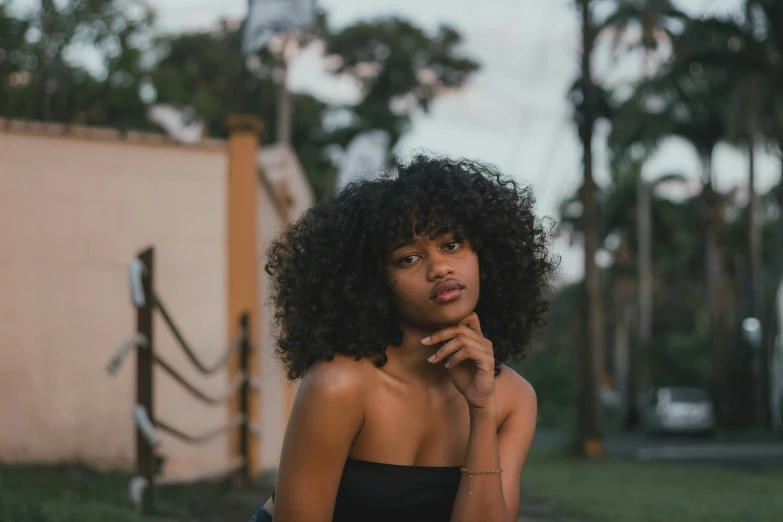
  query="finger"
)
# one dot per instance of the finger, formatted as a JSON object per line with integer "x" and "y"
{"x": 480, "y": 359}
{"x": 472, "y": 322}
{"x": 455, "y": 344}
{"x": 447, "y": 349}
{"x": 450, "y": 333}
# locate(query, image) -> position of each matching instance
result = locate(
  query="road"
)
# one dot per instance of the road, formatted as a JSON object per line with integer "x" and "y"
{"x": 747, "y": 454}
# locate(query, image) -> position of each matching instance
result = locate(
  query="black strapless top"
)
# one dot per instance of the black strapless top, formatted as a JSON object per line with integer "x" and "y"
{"x": 372, "y": 491}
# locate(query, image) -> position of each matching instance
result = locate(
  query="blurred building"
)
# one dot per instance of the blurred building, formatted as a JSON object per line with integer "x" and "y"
{"x": 76, "y": 205}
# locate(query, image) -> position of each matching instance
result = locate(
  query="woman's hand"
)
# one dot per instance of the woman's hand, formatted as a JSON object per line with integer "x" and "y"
{"x": 470, "y": 360}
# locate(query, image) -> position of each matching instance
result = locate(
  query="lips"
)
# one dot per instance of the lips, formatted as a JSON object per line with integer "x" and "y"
{"x": 445, "y": 286}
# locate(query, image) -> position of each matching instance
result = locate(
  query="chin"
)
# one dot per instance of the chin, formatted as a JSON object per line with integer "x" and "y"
{"x": 453, "y": 315}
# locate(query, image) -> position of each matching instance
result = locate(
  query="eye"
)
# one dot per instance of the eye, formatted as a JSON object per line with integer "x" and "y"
{"x": 452, "y": 246}
{"x": 408, "y": 260}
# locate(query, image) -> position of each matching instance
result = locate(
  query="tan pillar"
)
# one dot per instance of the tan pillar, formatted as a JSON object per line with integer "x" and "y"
{"x": 242, "y": 265}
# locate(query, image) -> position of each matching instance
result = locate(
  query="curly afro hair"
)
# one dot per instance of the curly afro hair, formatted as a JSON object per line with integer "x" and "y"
{"x": 329, "y": 288}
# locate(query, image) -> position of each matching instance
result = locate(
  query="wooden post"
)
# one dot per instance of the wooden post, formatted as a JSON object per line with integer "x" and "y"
{"x": 243, "y": 260}
{"x": 243, "y": 475}
{"x": 145, "y": 459}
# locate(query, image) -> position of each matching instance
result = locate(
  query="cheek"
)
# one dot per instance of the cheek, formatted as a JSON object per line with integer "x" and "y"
{"x": 396, "y": 285}
{"x": 404, "y": 291}
{"x": 473, "y": 266}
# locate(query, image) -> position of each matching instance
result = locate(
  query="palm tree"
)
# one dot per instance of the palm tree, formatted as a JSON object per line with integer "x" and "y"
{"x": 750, "y": 51}
{"x": 690, "y": 106}
{"x": 618, "y": 233}
{"x": 587, "y": 101}
{"x": 656, "y": 21}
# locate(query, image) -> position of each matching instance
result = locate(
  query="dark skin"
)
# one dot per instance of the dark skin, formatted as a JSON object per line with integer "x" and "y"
{"x": 435, "y": 403}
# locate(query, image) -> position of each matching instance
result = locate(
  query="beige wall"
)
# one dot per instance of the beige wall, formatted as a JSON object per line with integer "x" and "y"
{"x": 280, "y": 165}
{"x": 73, "y": 212}
{"x": 271, "y": 373}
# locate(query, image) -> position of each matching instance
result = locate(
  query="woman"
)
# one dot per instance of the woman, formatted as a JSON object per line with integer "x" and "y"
{"x": 397, "y": 303}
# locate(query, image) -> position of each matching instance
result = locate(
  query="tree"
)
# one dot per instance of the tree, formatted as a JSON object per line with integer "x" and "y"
{"x": 657, "y": 21}
{"x": 392, "y": 60}
{"x": 15, "y": 69}
{"x": 399, "y": 68}
{"x": 750, "y": 50}
{"x": 205, "y": 73}
{"x": 690, "y": 105}
{"x": 675, "y": 263}
{"x": 44, "y": 84}
{"x": 589, "y": 104}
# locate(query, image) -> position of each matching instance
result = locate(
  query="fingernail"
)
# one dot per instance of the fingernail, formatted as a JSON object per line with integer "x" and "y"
{"x": 426, "y": 340}
{"x": 431, "y": 359}
{"x": 448, "y": 365}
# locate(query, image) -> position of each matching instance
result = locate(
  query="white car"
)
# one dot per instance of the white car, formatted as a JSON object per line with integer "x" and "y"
{"x": 679, "y": 410}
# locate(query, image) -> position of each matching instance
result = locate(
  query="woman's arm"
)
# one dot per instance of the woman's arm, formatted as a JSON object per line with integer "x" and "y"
{"x": 326, "y": 418}
{"x": 490, "y": 497}
{"x": 495, "y": 497}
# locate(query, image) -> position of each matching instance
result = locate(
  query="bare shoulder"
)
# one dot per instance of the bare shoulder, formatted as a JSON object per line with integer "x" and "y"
{"x": 342, "y": 378}
{"x": 327, "y": 416}
{"x": 329, "y": 405}
{"x": 515, "y": 394}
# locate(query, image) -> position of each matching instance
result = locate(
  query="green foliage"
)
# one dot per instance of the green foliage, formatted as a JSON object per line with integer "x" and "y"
{"x": 674, "y": 104}
{"x": 394, "y": 60}
{"x": 654, "y": 18}
{"x": 550, "y": 372}
{"x": 680, "y": 352}
{"x": 400, "y": 67}
{"x": 38, "y": 81}
{"x": 206, "y": 72}
{"x": 722, "y": 84}
{"x": 548, "y": 366}
{"x": 681, "y": 359}
{"x": 748, "y": 50}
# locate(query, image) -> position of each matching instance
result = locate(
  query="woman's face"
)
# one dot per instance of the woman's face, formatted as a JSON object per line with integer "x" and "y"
{"x": 435, "y": 282}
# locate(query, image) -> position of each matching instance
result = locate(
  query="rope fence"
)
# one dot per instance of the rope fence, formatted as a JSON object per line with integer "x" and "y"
{"x": 147, "y": 425}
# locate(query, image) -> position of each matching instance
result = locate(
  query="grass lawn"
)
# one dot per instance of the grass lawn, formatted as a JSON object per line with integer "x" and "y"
{"x": 594, "y": 491}
{"x": 612, "y": 491}
{"x": 77, "y": 494}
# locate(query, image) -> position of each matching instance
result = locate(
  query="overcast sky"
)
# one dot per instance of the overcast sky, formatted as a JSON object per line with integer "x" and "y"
{"x": 514, "y": 112}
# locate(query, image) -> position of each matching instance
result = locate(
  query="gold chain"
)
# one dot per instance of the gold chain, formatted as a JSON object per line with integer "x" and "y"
{"x": 471, "y": 473}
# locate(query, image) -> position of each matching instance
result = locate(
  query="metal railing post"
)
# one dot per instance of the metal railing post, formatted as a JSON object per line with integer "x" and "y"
{"x": 143, "y": 485}
{"x": 145, "y": 461}
{"x": 243, "y": 473}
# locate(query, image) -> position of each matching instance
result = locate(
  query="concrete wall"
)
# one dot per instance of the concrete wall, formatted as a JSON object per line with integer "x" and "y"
{"x": 74, "y": 210}
{"x": 281, "y": 166}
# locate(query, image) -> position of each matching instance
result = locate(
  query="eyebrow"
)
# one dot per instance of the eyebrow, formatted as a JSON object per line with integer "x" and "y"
{"x": 401, "y": 244}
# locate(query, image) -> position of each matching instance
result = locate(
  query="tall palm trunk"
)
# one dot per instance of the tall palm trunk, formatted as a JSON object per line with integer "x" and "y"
{"x": 754, "y": 235}
{"x": 713, "y": 287}
{"x": 756, "y": 298}
{"x": 590, "y": 419}
{"x": 623, "y": 311}
{"x": 644, "y": 281}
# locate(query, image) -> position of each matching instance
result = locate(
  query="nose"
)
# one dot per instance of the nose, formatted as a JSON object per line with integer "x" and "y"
{"x": 439, "y": 266}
